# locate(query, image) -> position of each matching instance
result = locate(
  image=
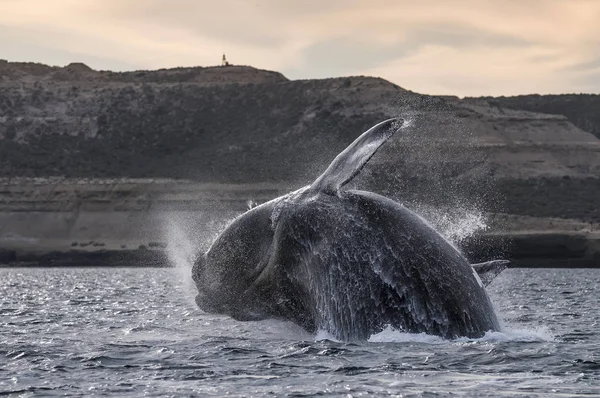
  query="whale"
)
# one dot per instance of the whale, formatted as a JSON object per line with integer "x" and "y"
{"x": 348, "y": 262}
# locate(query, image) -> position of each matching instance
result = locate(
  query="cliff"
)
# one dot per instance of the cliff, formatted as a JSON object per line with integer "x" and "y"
{"x": 104, "y": 158}
{"x": 77, "y": 72}
{"x": 583, "y": 110}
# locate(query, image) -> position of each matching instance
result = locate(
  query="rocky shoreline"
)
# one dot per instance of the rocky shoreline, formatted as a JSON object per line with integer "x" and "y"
{"x": 526, "y": 250}
{"x": 541, "y": 250}
{"x": 147, "y": 223}
{"x": 80, "y": 258}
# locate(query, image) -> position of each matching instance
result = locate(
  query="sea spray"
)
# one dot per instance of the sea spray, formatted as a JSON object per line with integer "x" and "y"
{"x": 437, "y": 172}
{"x": 456, "y": 224}
{"x": 189, "y": 235}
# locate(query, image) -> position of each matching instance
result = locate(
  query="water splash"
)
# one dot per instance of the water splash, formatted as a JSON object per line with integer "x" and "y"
{"x": 439, "y": 173}
{"x": 182, "y": 250}
{"x": 187, "y": 236}
{"x": 251, "y": 204}
{"x": 456, "y": 224}
{"x": 523, "y": 335}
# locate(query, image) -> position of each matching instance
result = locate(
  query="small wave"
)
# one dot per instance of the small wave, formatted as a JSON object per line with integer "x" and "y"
{"x": 391, "y": 335}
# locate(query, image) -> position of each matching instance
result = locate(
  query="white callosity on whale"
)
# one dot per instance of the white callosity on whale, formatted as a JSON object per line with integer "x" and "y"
{"x": 345, "y": 261}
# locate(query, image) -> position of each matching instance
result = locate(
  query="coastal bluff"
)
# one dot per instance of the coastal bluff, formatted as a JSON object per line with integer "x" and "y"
{"x": 99, "y": 162}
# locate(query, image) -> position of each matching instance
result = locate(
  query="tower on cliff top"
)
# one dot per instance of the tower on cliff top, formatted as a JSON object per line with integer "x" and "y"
{"x": 224, "y": 61}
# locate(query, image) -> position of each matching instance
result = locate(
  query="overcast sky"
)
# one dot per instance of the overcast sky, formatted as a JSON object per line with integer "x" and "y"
{"x": 459, "y": 47}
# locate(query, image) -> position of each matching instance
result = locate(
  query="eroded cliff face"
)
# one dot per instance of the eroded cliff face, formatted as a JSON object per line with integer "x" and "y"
{"x": 239, "y": 124}
{"x": 173, "y": 134}
{"x": 580, "y": 109}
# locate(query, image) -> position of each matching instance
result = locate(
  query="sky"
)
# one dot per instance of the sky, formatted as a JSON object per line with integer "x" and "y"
{"x": 449, "y": 47}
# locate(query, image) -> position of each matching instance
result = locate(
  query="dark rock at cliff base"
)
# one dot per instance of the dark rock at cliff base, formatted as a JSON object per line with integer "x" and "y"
{"x": 98, "y": 258}
{"x": 7, "y": 256}
{"x": 543, "y": 250}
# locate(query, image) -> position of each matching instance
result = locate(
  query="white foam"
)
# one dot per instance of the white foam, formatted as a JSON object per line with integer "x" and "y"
{"x": 391, "y": 335}
{"x": 523, "y": 335}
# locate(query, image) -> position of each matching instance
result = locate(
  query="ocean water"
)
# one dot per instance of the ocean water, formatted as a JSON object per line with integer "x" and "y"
{"x": 137, "y": 332}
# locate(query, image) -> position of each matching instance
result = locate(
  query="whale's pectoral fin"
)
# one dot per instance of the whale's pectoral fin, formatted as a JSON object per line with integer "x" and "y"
{"x": 348, "y": 163}
{"x": 490, "y": 269}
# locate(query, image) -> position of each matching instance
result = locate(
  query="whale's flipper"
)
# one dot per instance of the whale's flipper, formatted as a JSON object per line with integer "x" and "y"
{"x": 490, "y": 269}
{"x": 348, "y": 163}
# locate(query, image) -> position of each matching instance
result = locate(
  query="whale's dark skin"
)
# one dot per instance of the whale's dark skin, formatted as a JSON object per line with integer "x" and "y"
{"x": 348, "y": 262}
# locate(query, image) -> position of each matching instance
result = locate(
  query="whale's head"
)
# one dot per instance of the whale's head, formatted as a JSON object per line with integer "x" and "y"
{"x": 234, "y": 261}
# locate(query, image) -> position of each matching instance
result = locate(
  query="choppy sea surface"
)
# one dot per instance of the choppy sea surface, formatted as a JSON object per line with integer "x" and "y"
{"x": 137, "y": 332}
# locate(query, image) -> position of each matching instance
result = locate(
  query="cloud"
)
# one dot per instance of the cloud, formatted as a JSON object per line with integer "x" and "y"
{"x": 461, "y": 36}
{"x": 586, "y": 74}
{"x": 351, "y": 55}
{"x": 588, "y": 83}
{"x": 462, "y": 47}
{"x": 342, "y": 56}
{"x": 471, "y": 72}
{"x": 592, "y": 64}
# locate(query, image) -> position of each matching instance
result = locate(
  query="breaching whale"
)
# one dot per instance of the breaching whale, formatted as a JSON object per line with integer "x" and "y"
{"x": 348, "y": 262}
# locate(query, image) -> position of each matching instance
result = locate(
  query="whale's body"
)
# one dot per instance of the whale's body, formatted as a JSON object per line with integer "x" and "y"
{"x": 348, "y": 262}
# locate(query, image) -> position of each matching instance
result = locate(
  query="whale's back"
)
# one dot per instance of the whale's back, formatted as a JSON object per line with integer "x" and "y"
{"x": 362, "y": 262}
